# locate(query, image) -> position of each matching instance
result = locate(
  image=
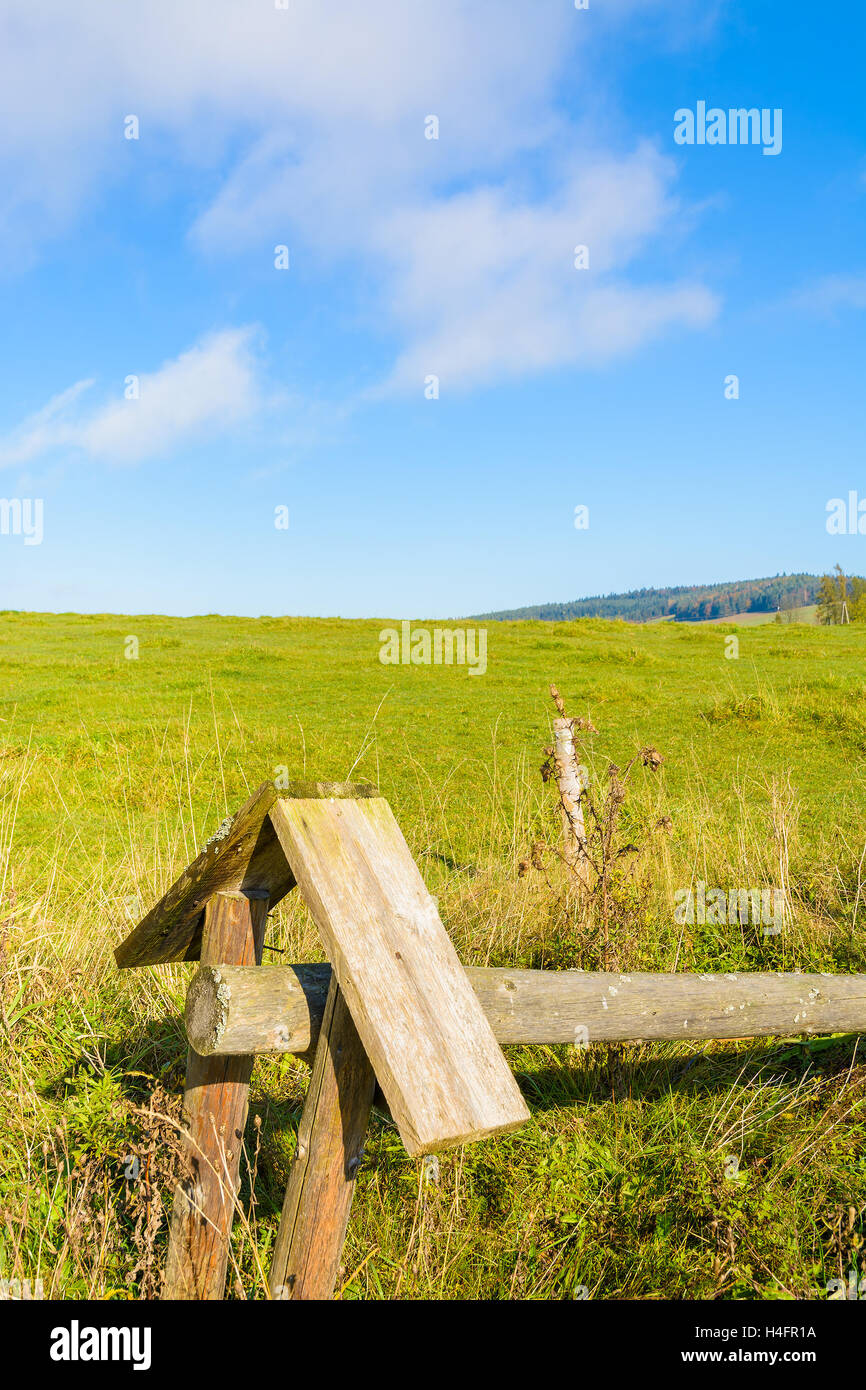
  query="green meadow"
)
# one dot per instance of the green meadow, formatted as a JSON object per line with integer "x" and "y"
{"x": 680, "y": 1170}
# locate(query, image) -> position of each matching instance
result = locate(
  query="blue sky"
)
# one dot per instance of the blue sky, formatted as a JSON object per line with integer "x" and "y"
{"x": 412, "y": 257}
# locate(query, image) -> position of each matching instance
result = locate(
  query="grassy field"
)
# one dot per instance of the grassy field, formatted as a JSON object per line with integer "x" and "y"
{"x": 804, "y": 614}
{"x": 669, "y": 1171}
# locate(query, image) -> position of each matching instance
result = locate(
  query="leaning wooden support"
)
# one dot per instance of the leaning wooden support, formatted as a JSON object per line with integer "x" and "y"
{"x": 279, "y": 1008}
{"x": 244, "y": 854}
{"x": 433, "y": 1052}
{"x": 215, "y": 1110}
{"x": 328, "y": 1156}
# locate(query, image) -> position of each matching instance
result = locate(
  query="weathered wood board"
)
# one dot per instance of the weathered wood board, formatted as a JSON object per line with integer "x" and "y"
{"x": 279, "y": 1008}
{"x": 433, "y": 1051}
{"x": 245, "y": 854}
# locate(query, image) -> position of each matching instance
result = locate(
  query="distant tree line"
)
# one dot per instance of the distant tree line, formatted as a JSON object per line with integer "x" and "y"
{"x": 842, "y": 598}
{"x": 685, "y": 604}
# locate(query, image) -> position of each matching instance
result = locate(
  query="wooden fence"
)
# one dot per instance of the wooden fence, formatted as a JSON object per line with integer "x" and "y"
{"x": 393, "y": 1016}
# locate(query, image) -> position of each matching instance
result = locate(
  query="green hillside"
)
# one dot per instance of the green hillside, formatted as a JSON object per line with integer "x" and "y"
{"x": 686, "y": 603}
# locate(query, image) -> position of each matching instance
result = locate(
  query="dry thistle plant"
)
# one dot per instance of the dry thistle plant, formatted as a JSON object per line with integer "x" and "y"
{"x": 160, "y": 1155}
{"x": 592, "y": 847}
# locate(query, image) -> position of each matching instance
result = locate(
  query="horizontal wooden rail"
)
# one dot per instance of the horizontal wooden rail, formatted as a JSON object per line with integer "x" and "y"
{"x": 279, "y": 1008}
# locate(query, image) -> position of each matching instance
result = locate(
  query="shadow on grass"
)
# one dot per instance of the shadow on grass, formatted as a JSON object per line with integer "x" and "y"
{"x": 610, "y": 1074}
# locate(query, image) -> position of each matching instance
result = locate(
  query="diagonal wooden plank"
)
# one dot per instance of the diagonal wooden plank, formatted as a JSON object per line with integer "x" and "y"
{"x": 432, "y": 1049}
{"x": 244, "y": 855}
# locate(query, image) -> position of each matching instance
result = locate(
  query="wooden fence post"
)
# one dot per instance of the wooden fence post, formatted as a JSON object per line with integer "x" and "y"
{"x": 329, "y": 1153}
{"x": 215, "y": 1108}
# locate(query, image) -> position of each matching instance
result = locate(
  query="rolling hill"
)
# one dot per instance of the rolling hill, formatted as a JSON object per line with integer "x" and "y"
{"x": 683, "y": 604}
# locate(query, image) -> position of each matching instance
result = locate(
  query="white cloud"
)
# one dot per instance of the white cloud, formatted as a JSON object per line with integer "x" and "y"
{"x": 206, "y": 71}
{"x": 211, "y": 385}
{"x": 314, "y": 119}
{"x": 485, "y": 284}
{"x": 44, "y": 430}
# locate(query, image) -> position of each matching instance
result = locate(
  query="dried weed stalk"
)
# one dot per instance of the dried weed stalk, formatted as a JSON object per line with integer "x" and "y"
{"x": 592, "y": 847}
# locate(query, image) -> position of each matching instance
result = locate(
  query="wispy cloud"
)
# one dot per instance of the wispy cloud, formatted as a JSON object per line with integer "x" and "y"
{"x": 485, "y": 284}
{"x": 212, "y": 384}
{"x": 312, "y": 121}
